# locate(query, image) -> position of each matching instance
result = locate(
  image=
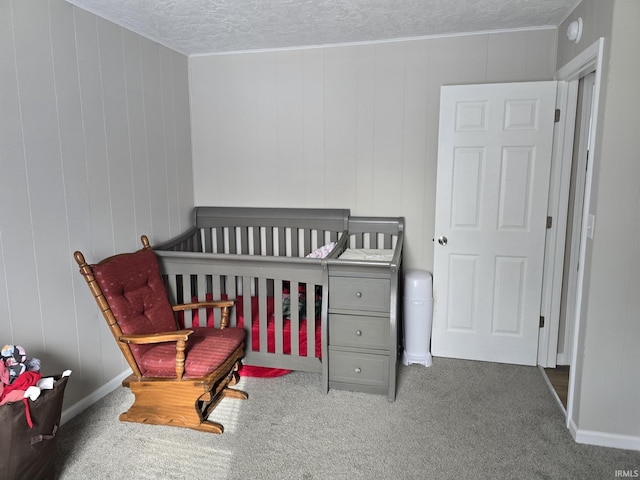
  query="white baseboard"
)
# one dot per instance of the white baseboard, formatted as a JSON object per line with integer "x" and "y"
{"x": 86, "y": 402}
{"x": 603, "y": 439}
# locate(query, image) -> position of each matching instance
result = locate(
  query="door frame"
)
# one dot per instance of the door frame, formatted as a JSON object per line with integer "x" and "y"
{"x": 572, "y": 262}
{"x": 590, "y": 60}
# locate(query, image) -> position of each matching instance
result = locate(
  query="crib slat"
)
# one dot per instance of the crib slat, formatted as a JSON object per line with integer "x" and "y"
{"x": 294, "y": 323}
{"x": 228, "y": 287}
{"x": 200, "y": 289}
{"x": 262, "y": 312}
{"x": 247, "y": 313}
{"x": 170, "y": 289}
{"x": 320, "y": 239}
{"x": 295, "y": 240}
{"x": 208, "y": 240}
{"x": 197, "y": 242}
{"x": 282, "y": 242}
{"x": 218, "y": 235}
{"x": 215, "y": 286}
{"x": 311, "y": 321}
{"x": 359, "y": 241}
{"x": 277, "y": 317}
{"x": 185, "y": 297}
{"x": 257, "y": 244}
{"x": 307, "y": 238}
{"x": 233, "y": 232}
{"x": 200, "y": 295}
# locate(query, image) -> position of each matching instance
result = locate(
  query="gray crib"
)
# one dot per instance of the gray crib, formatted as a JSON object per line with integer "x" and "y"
{"x": 317, "y": 290}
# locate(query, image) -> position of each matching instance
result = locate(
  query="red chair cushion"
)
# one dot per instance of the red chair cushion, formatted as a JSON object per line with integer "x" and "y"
{"x": 206, "y": 350}
{"x": 136, "y": 293}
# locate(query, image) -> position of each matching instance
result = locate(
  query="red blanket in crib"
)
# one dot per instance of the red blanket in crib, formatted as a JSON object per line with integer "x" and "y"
{"x": 265, "y": 372}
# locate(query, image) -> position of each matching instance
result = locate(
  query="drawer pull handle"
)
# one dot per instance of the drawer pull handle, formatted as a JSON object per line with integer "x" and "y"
{"x": 358, "y": 370}
{"x": 359, "y": 294}
{"x": 359, "y": 333}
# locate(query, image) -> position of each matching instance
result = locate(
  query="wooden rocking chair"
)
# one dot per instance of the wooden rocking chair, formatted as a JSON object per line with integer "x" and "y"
{"x": 179, "y": 376}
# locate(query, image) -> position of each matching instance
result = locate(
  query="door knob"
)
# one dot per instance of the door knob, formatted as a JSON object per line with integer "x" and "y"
{"x": 442, "y": 240}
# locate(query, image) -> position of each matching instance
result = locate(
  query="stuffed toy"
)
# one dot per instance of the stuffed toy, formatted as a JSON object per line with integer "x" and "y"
{"x": 15, "y": 363}
{"x": 18, "y": 375}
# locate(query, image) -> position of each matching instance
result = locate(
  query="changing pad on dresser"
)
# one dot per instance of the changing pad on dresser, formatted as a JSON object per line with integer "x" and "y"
{"x": 380, "y": 254}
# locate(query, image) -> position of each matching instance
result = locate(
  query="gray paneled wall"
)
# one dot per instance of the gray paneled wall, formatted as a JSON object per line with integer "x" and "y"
{"x": 607, "y": 384}
{"x": 349, "y": 126}
{"x": 95, "y": 150}
{"x": 597, "y": 17}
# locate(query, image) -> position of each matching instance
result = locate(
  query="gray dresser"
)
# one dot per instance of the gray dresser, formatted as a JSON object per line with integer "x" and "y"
{"x": 363, "y": 308}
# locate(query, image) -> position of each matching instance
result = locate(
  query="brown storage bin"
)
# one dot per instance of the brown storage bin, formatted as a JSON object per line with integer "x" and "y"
{"x": 28, "y": 453}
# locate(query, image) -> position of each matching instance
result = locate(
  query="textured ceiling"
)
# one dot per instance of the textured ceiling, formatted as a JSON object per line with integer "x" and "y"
{"x": 216, "y": 26}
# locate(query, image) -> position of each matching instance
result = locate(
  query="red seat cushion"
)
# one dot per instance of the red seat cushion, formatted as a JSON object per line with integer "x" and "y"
{"x": 206, "y": 350}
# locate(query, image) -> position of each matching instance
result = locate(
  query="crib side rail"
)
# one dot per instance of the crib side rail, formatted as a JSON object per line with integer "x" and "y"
{"x": 376, "y": 232}
{"x": 274, "y": 295}
{"x": 292, "y": 232}
{"x": 189, "y": 241}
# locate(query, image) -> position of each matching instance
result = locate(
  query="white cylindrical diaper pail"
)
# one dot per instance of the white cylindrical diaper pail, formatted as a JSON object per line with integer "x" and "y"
{"x": 418, "y": 317}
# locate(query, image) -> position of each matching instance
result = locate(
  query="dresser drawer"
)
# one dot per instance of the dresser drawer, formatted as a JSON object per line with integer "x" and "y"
{"x": 358, "y": 368}
{"x": 364, "y": 294}
{"x": 359, "y": 331}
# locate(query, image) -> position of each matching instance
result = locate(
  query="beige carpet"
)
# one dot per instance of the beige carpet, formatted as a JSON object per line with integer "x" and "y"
{"x": 454, "y": 420}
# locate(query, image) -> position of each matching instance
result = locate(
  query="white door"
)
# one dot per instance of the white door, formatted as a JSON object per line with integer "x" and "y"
{"x": 494, "y": 159}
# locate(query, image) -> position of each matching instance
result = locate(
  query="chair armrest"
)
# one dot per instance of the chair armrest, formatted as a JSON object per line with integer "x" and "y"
{"x": 180, "y": 337}
{"x": 143, "y": 339}
{"x": 209, "y": 304}
{"x": 224, "y": 305}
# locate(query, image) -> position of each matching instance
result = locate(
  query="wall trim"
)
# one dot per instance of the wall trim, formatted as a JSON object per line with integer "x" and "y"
{"x": 604, "y": 439}
{"x": 582, "y": 63}
{"x": 86, "y": 402}
{"x": 369, "y": 42}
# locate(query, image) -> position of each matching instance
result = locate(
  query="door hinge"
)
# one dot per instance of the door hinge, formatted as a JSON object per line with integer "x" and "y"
{"x": 586, "y": 163}
{"x": 557, "y": 119}
{"x": 549, "y": 222}
{"x": 541, "y": 322}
